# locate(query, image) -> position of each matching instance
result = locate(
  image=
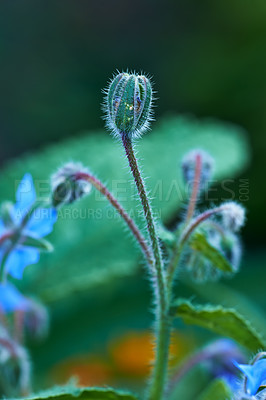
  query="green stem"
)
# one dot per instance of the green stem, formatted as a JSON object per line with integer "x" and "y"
{"x": 129, "y": 221}
{"x": 162, "y": 323}
{"x": 3, "y": 274}
{"x": 195, "y": 189}
{"x": 8, "y": 249}
{"x": 177, "y": 250}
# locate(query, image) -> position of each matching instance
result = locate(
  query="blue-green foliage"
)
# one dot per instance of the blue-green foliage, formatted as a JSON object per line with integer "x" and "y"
{"x": 224, "y": 321}
{"x": 93, "y": 251}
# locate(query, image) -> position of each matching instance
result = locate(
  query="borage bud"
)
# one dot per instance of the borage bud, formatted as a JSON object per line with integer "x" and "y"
{"x": 233, "y": 216}
{"x": 128, "y": 104}
{"x": 65, "y": 187}
{"x": 189, "y": 165}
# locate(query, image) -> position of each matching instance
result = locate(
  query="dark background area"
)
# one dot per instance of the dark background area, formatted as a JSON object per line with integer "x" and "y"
{"x": 207, "y": 58}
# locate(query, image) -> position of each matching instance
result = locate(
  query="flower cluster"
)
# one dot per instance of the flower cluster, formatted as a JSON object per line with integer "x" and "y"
{"x": 22, "y": 228}
{"x": 215, "y": 228}
{"x": 205, "y": 243}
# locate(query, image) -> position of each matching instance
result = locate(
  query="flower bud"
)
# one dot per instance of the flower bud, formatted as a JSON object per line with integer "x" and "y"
{"x": 189, "y": 166}
{"x": 128, "y": 104}
{"x": 65, "y": 187}
{"x": 203, "y": 268}
{"x": 233, "y": 216}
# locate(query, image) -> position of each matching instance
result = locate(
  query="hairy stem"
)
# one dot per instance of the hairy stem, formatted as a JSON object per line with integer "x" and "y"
{"x": 114, "y": 202}
{"x": 198, "y": 220}
{"x": 162, "y": 332}
{"x": 195, "y": 189}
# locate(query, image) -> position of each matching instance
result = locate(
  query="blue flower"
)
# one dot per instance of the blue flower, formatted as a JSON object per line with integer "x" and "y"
{"x": 256, "y": 375}
{"x": 11, "y": 299}
{"x": 39, "y": 224}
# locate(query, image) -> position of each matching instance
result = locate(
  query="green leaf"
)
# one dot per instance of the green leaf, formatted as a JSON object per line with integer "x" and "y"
{"x": 224, "y": 321}
{"x": 217, "y": 390}
{"x": 66, "y": 393}
{"x": 200, "y": 243}
{"x": 91, "y": 248}
{"x": 38, "y": 243}
{"x": 243, "y": 300}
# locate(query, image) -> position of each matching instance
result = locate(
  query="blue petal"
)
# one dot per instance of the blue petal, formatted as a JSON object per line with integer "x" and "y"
{"x": 1, "y": 254}
{"x": 25, "y": 197}
{"x": 42, "y": 221}
{"x": 19, "y": 259}
{"x": 11, "y": 299}
{"x": 2, "y": 227}
{"x": 256, "y": 375}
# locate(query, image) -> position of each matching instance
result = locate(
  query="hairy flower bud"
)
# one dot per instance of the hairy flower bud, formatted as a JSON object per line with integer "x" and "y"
{"x": 189, "y": 166}
{"x": 65, "y": 187}
{"x": 128, "y": 104}
{"x": 233, "y": 216}
{"x": 202, "y": 267}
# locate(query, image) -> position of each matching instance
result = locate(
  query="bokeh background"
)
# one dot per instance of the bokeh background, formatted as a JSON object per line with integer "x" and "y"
{"x": 206, "y": 58}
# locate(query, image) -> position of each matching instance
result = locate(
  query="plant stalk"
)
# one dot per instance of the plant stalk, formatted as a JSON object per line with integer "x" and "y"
{"x": 162, "y": 324}
{"x": 195, "y": 189}
{"x": 129, "y": 221}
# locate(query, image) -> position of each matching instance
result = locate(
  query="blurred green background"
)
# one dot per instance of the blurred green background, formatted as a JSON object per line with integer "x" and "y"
{"x": 206, "y": 58}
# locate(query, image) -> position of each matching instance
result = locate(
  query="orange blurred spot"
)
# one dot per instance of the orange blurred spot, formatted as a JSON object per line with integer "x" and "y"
{"x": 179, "y": 347}
{"x": 133, "y": 353}
{"x": 89, "y": 372}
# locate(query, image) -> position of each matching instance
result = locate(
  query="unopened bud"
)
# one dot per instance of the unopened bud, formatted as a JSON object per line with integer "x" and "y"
{"x": 233, "y": 216}
{"x": 65, "y": 187}
{"x": 189, "y": 164}
{"x": 128, "y": 104}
